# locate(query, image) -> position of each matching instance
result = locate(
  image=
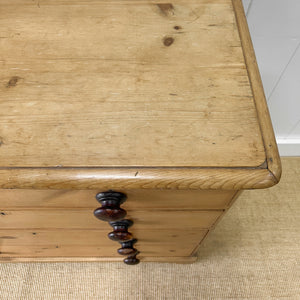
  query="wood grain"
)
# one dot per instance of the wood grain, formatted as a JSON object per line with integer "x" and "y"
{"x": 236, "y": 196}
{"x": 273, "y": 159}
{"x": 136, "y": 199}
{"x": 84, "y": 219}
{"x": 93, "y": 84}
{"x": 63, "y": 243}
{"x": 165, "y": 86}
{"x": 137, "y": 178}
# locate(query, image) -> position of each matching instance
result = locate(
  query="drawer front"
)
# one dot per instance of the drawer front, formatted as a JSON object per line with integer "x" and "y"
{"x": 94, "y": 243}
{"x": 61, "y": 223}
{"x": 84, "y": 219}
{"x": 136, "y": 199}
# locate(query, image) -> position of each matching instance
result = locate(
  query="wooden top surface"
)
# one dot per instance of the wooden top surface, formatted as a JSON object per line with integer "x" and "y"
{"x": 127, "y": 84}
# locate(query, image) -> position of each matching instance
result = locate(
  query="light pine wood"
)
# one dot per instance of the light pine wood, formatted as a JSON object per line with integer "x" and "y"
{"x": 137, "y": 178}
{"x": 60, "y": 243}
{"x": 122, "y": 84}
{"x": 68, "y": 237}
{"x": 161, "y": 101}
{"x": 136, "y": 199}
{"x": 273, "y": 159}
{"x": 236, "y": 196}
{"x": 53, "y": 251}
{"x": 84, "y": 219}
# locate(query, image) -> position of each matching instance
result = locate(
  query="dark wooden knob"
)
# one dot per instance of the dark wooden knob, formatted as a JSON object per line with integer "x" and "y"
{"x": 111, "y": 212}
{"x": 127, "y": 248}
{"x": 110, "y": 209}
{"x": 132, "y": 260}
{"x": 120, "y": 233}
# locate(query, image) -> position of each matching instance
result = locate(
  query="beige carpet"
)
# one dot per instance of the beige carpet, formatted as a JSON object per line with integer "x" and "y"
{"x": 254, "y": 253}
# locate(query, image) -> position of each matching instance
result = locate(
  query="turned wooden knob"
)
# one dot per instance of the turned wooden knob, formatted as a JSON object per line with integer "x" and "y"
{"x": 110, "y": 209}
{"x": 132, "y": 260}
{"x": 120, "y": 233}
{"x": 127, "y": 248}
{"x": 111, "y": 212}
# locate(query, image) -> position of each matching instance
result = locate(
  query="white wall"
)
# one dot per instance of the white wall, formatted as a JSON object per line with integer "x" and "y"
{"x": 275, "y": 30}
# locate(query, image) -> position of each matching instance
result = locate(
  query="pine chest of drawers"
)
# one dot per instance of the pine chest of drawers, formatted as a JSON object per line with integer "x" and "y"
{"x": 154, "y": 108}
